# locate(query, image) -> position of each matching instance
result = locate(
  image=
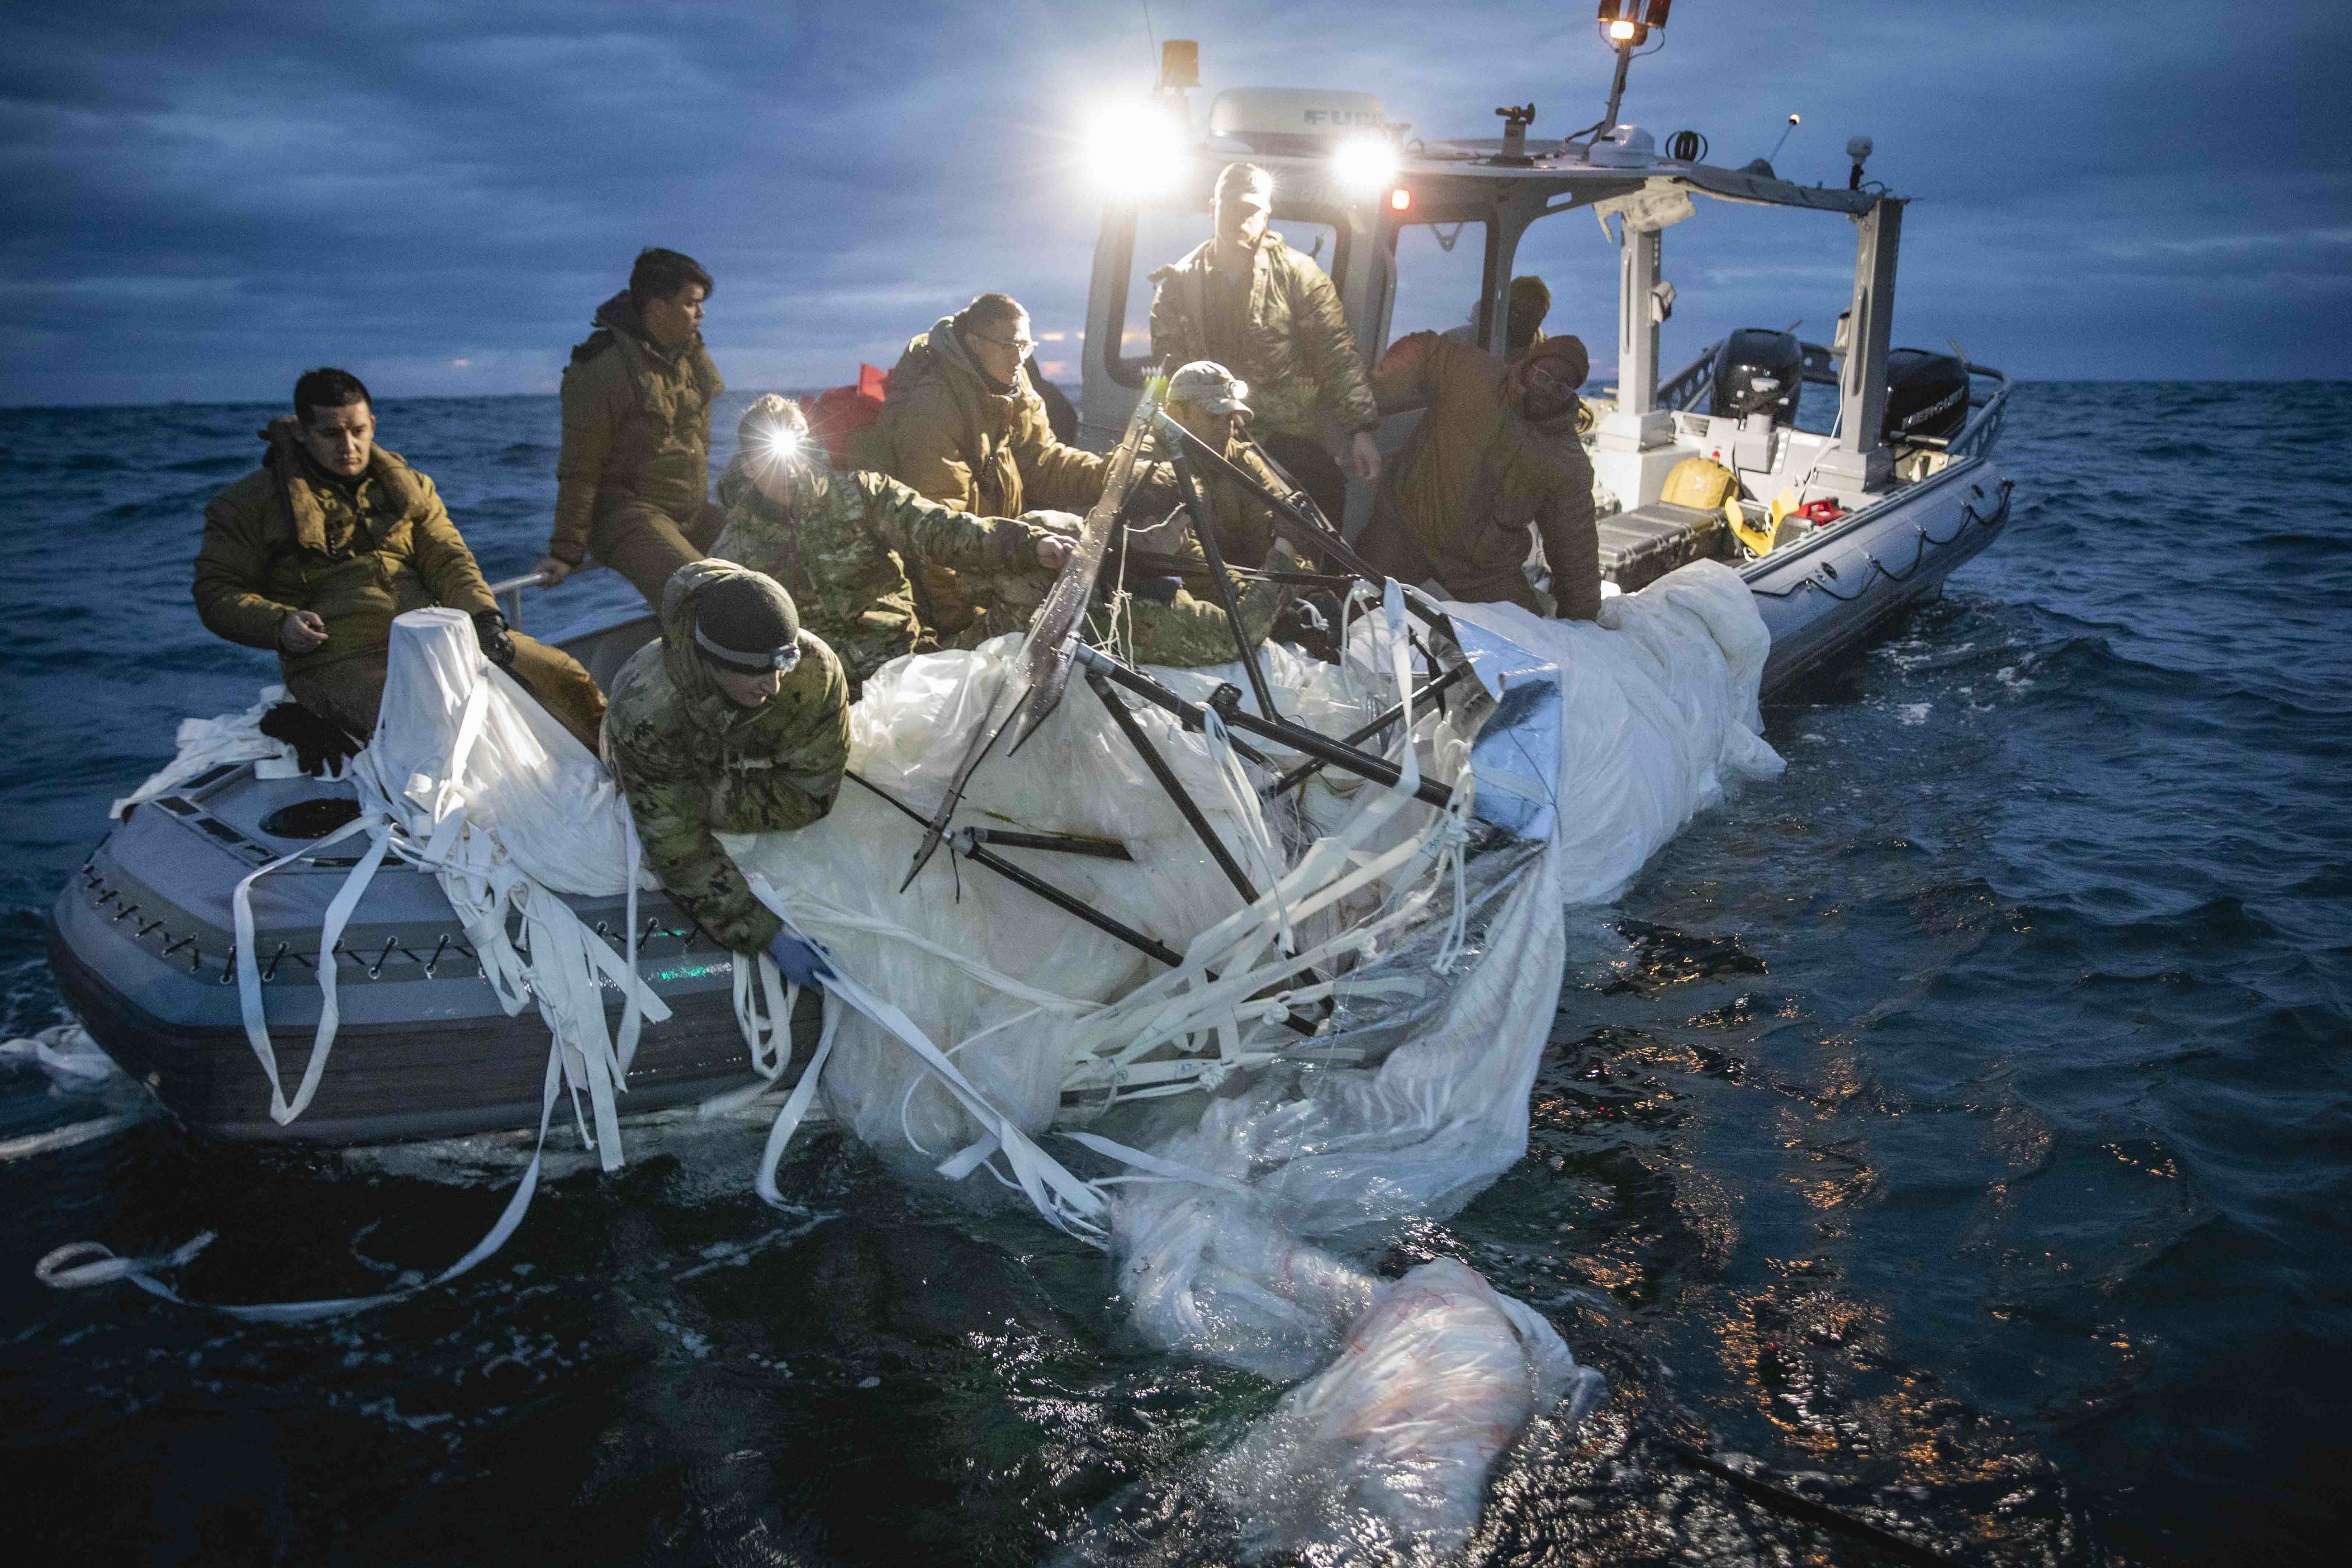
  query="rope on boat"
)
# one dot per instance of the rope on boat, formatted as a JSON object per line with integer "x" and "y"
{"x": 1968, "y": 515}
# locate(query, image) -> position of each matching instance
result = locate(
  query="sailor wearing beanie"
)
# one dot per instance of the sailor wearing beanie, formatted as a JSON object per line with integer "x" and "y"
{"x": 736, "y": 721}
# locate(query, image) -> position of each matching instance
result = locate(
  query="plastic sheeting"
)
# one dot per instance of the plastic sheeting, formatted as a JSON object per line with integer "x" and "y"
{"x": 205, "y": 743}
{"x": 1232, "y": 1233}
{"x": 986, "y": 968}
{"x": 1387, "y": 1449}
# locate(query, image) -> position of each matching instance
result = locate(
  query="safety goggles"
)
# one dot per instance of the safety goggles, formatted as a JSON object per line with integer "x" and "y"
{"x": 737, "y": 662}
{"x": 1541, "y": 379}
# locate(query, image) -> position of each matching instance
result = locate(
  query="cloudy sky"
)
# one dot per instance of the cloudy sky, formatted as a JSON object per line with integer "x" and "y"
{"x": 202, "y": 200}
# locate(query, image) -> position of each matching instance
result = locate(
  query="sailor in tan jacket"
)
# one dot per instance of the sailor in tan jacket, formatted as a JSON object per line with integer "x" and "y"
{"x": 633, "y": 481}
{"x": 313, "y": 553}
{"x": 963, "y": 426}
{"x": 1497, "y": 453}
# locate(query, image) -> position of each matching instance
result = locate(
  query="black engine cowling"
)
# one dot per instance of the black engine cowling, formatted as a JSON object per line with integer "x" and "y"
{"x": 1758, "y": 371}
{"x": 1927, "y": 395}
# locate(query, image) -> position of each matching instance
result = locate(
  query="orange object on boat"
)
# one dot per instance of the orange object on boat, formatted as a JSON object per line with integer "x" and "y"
{"x": 839, "y": 413}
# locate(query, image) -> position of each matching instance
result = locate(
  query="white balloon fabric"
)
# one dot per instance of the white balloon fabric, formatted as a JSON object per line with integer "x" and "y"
{"x": 1233, "y": 1238}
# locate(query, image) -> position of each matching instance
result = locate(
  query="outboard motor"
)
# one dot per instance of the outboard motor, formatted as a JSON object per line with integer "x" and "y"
{"x": 1927, "y": 395}
{"x": 1758, "y": 371}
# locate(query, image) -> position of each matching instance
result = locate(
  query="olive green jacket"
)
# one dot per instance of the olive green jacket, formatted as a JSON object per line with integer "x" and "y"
{"x": 637, "y": 428}
{"x": 954, "y": 438}
{"x": 1290, "y": 341}
{"x": 1476, "y": 473}
{"x": 849, "y": 562}
{"x": 286, "y": 538}
{"x": 694, "y": 763}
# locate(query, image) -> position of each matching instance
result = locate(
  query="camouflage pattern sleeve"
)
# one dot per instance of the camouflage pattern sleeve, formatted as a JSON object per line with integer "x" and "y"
{"x": 810, "y": 748}
{"x": 924, "y": 531}
{"x": 1175, "y": 337}
{"x": 1329, "y": 349}
{"x": 1193, "y": 632}
{"x": 668, "y": 797}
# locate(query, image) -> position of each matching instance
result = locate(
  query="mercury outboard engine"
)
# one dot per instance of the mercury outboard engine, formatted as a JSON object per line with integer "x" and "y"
{"x": 1927, "y": 395}
{"x": 1758, "y": 371}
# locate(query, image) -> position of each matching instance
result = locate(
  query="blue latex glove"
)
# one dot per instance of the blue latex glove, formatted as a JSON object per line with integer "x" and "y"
{"x": 802, "y": 960}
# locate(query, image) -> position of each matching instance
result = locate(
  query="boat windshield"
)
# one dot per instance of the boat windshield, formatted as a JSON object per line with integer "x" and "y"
{"x": 1440, "y": 269}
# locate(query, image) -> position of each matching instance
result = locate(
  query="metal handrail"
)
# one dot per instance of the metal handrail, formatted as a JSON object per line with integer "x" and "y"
{"x": 515, "y": 585}
{"x": 1976, "y": 438}
{"x": 1690, "y": 383}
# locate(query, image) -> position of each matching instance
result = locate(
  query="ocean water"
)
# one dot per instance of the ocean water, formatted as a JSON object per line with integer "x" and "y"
{"x": 1959, "y": 1127}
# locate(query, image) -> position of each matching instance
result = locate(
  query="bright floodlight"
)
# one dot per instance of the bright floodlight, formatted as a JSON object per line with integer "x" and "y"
{"x": 782, "y": 443}
{"x": 1364, "y": 162}
{"x": 1135, "y": 151}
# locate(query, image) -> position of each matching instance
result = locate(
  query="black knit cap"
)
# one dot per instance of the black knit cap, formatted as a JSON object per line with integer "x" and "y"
{"x": 748, "y": 624}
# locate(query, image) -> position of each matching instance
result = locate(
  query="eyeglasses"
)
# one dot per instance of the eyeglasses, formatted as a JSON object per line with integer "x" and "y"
{"x": 1542, "y": 380}
{"x": 1024, "y": 347}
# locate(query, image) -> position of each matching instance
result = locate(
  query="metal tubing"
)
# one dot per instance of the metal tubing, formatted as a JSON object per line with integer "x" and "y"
{"x": 1059, "y": 843}
{"x": 1189, "y": 714}
{"x": 1062, "y": 900}
{"x": 1204, "y": 532}
{"x": 1356, "y": 737}
{"x": 1036, "y": 884}
{"x": 1324, "y": 537}
{"x": 1193, "y": 814}
{"x": 1297, "y": 737}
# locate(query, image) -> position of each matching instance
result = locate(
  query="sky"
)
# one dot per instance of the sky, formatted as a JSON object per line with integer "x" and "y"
{"x": 203, "y": 200}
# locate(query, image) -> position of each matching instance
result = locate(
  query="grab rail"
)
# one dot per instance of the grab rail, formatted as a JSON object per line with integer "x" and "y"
{"x": 515, "y": 585}
{"x": 1976, "y": 438}
{"x": 1690, "y": 383}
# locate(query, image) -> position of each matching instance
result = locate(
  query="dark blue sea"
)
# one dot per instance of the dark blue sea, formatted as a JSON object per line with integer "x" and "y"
{"x": 1959, "y": 1126}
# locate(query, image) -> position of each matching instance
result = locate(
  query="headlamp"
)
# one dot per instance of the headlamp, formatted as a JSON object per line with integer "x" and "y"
{"x": 741, "y": 662}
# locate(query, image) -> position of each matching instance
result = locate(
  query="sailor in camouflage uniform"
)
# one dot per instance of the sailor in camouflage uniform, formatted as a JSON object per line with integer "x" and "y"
{"x": 849, "y": 546}
{"x": 736, "y": 721}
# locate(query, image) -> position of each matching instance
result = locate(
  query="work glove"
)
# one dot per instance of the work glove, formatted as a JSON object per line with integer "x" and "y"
{"x": 320, "y": 745}
{"x": 803, "y": 962}
{"x": 497, "y": 643}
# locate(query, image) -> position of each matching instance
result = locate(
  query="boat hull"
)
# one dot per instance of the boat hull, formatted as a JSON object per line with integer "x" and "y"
{"x": 1823, "y": 597}
{"x": 424, "y": 1048}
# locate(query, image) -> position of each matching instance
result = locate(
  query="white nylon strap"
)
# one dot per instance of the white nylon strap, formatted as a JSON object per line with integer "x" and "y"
{"x": 248, "y": 970}
{"x": 81, "y": 1264}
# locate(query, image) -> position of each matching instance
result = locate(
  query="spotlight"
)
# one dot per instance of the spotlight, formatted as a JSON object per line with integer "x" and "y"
{"x": 1364, "y": 163}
